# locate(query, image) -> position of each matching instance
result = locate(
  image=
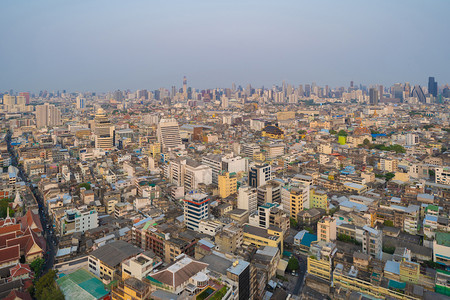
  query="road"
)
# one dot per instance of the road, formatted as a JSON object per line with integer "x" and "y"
{"x": 45, "y": 221}
{"x": 301, "y": 274}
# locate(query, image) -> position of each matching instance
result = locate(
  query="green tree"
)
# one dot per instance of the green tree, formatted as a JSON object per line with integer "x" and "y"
{"x": 389, "y": 176}
{"x": 332, "y": 131}
{"x": 432, "y": 173}
{"x": 388, "y": 223}
{"x": 4, "y": 204}
{"x": 86, "y": 185}
{"x": 36, "y": 265}
{"x": 294, "y": 223}
{"x": 301, "y": 132}
{"x": 293, "y": 264}
{"x": 342, "y": 132}
{"x": 45, "y": 288}
{"x": 366, "y": 142}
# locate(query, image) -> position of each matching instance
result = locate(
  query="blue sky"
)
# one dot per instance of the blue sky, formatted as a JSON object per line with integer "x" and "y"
{"x": 102, "y": 45}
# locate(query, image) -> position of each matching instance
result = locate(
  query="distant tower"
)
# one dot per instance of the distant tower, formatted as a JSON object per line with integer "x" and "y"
{"x": 351, "y": 84}
{"x": 184, "y": 86}
{"x": 432, "y": 86}
{"x": 373, "y": 96}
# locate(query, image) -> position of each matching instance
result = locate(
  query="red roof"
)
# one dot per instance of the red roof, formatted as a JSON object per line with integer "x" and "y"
{"x": 9, "y": 254}
{"x": 10, "y": 228}
{"x": 19, "y": 270}
{"x": 30, "y": 219}
{"x": 13, "y": 295}
{"x": 5, "y": 237}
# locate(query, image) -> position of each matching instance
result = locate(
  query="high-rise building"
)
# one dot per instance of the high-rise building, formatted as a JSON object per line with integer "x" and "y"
{"x": 432, "y": 87}
{"x": 27, "y": 97}
{"x": 326, "y": 229}
{"x": 103, "y": 130}
{"x": 373, "y": 96}
{"x": 372, "y": 242}
{"x": 47, "y": 115}
{"x": 295, "y": 198}
{"x": 196, "y": 208}
{"x": 397, "y": 91}
{"x": 247, "y": 199}
{"x": 227, "y": 184}
{"x": 81, "y": 103}
{"x": 185, "y": 91}
{"x": 419, "y": 94}
{"x": 169, "y": 134}
{"x": 259, "y": 175}
{"x": 214, "y": 161}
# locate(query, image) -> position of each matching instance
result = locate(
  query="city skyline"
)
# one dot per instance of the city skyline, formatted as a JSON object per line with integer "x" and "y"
{"x": 104, "y": 46}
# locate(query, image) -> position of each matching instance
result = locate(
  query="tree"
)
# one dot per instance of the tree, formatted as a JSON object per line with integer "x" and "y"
{"x": 342, "y": 132}
{"x": 4, "y": 204}
{"x": 46, "y": 288}
{"x": 389, "y": 176}
{"x": 293, "y": 264}
{"x": 388, "y": 223}
{"x": 301, "y": 132}
{"x": 332, "y": 131}
{"x": 294, "y": 223}
{"x": 86, "y": 185}
{"x": 37, "y": 265}
{"x": 389, "y": 249}
{"x": 366, "y": 142}
{"x": 432, "y": 173}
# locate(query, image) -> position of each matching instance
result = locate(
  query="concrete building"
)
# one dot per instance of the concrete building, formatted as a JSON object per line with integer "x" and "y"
{"x": 227, "y": 184}
{"x": 269, "y": 192}
{"x": 295, "y": 198}
{"x": 259, "y": 175}
{"x": 196, "y": 208}
{"x": 326, "y": 229}
{"x": 247, "y": 199}
{"x": 168, "y": 134}
{"x": 75, "y": 220}
{"x": 104, "y": 131}
{"x": 47, "y": 115}
{"x": 214, "y": 161}
{"x": 372, "y": 243}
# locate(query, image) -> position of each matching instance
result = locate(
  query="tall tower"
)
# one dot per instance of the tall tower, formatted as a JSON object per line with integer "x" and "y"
{"x": 104, "y": 131}
{"x": 185, "y": 86}
{"x": 169, "y": 134}
{"x": 47, "y": 115}
{"x": 373, "y": 96}
{"x": 432, "y": 86}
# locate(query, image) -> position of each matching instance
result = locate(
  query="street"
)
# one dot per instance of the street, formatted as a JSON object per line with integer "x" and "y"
{"x": 46, "y": 224}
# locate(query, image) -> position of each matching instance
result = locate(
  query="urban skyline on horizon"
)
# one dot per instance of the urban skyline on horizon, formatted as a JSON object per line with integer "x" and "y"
{"x": 111, "y": 45}
{"x": 350, "y": 84}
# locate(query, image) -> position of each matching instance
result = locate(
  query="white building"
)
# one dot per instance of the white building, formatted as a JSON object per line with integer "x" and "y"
{"x": 247, "y": 199}
{"x": 47, "y": 115}
{"x": 372, "y": 242}
{"x": 210, "y": 227}
{"x": 214, "y": 161}
{"x": 76, "y": 220}
{"x": 195, "y": 174}
{"x": 234, "y": 164}
{"x": 443, "y": 175}
{"x": 169, "y": 134}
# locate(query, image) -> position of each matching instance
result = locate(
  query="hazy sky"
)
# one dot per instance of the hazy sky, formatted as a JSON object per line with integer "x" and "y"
{"x": 90, "y": 45}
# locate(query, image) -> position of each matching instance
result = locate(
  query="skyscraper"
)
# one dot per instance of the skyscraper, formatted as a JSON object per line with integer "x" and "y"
{"x": 185, "y": 87}
{"x": 169, "y": 134}
{"x": 373, "y": 96}
{"x": 27, "y": 97}
{"x": 418, "y": 93}
{"x": 47, "y": 115}
{"x": 81, "y": 103}
{"x": 196, "y": 208}
{"x": 432, "y": 86}
{"x": 104, "y": 131}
